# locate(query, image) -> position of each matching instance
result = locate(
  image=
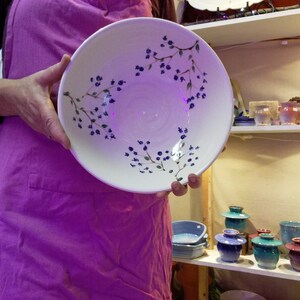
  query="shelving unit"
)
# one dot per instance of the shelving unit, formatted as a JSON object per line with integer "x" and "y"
{"x": 246, "y": 264}
{"x": 251, "y": 29}
{"x": 265, "y": 129}
{"x": 269, "y": 26}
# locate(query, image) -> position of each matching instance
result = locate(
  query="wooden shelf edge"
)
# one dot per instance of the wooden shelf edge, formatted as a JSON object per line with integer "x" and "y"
{"x": 246, "y": 264}
{"x": 265, "y": 129}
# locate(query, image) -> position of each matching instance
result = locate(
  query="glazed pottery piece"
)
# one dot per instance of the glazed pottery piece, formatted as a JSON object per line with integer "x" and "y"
{"x": 289, "y": 230}
{"x": 235, "y": 218}
{"x": 229, "y": 244}
{"x": 189, "y": 251}
{"x": 187, "y": 232}
{"x": 294, "y": 253}
{"x": 256, "y": 234}
{"x": 266, "y": 250}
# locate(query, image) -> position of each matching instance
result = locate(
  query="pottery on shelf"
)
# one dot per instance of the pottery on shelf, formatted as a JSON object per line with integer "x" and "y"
{"x": 289, "y": 230}
{"x": 294, "y": 253}
{"x": 266, "y": 251}
{"x": 235, "y": 218}
{"x": 230, "y": 244}
{"x": 256, "y": 234}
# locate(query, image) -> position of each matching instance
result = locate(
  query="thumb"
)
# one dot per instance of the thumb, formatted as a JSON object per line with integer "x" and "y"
{"x": 54, "y": 73}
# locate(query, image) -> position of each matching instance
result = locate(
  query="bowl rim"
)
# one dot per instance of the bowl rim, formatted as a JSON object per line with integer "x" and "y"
{"x": 295, "y": 224}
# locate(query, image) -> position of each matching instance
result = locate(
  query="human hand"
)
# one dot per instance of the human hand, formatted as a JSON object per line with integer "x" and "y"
{"x": 179, "y": 189}
{"x": 29, "y": 98}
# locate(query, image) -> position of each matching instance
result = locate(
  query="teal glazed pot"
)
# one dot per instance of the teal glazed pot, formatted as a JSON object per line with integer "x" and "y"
{"x": 294, "y": 253}
{"x": 266, "y": 250}
{"x": 235, "y": 218}
{"x": 256, "y": 234}
{"x": 230, "y": 244}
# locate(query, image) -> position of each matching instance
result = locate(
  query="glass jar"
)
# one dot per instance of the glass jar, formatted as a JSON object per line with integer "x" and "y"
{"x": 262, "y": 115}
{"x": 288, "y": 113}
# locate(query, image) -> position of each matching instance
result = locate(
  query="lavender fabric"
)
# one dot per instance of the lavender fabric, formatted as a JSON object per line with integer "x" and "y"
{"x": 65, "y": 234}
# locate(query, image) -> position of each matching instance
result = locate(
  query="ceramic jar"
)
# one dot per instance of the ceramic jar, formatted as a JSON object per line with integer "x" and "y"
{"x": 229, "y": 244}
{"x": 266, "y": 250}
{"x": 235, "y": 218}
{"x": 256, "y": 234}
{"x": 294, "y": 253}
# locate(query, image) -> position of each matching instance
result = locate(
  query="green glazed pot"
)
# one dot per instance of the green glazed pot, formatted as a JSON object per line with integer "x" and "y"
{"x": 266, "y": 250}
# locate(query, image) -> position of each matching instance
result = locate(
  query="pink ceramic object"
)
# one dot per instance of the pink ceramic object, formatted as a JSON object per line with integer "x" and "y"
{"x": 294, "y": 253}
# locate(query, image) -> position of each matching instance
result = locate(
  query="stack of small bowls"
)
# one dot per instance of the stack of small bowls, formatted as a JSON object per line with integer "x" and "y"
{"x": 189, "y": 239}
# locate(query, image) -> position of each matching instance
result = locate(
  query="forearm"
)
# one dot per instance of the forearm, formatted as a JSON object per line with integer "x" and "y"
{"x": 9, "y": 88}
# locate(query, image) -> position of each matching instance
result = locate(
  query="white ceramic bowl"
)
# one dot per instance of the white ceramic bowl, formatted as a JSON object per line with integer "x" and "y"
{"x": 145, "y": 102}
{"x": 240, "y": 295}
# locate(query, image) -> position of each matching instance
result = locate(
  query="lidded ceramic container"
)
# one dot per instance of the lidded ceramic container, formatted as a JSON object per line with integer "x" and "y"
{"x": 235, "y": 218}
{"x": 230, "y": 244}
{"x": 266, "y": 250}
{"x": 256, "y": 234}
{"x": 294, "y": 253}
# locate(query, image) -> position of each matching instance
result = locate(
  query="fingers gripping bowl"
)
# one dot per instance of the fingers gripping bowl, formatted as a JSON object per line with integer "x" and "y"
{"x": 145, "y": 102}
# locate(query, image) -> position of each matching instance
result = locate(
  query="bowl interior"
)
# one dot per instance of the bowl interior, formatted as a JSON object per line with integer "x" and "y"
{"x": 145, "y": 102}
{"x": 188, "y": 232}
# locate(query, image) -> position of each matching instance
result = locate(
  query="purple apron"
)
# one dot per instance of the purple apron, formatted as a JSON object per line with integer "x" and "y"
{"x": 65, "y": 234}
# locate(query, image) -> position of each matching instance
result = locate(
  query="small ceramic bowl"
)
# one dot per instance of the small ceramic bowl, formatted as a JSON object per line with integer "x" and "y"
{"x": 187, "y": 232}
{"x": 188, "y": 251}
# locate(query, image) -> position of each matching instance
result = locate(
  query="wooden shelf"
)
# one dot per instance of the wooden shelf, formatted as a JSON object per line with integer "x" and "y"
{"x": 268, "y": 26}
{"x": 265, "y": 129}
{"x": 246, "y": 264}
